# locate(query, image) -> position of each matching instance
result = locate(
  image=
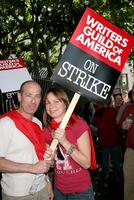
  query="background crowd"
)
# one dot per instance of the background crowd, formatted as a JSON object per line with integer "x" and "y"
{"x": 112, "y": 128}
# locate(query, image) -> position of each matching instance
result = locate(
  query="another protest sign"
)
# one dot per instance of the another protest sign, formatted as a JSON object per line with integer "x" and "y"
{"x": 13, "y": 73}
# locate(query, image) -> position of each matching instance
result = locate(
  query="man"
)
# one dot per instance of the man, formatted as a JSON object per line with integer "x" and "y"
{"x": 122, "y": 133}
{"x": 24, "y": 159}
{"x": 122, "y": 107}
{"x": 118, "y": 100}
{"x": 105, "y": 120}
{"x": 127, "y": 123}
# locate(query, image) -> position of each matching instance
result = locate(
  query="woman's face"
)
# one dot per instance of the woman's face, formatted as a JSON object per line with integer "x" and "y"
{"x": 55, "y": 107}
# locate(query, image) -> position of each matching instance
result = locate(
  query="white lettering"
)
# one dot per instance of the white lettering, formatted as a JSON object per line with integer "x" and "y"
{"x": 84, "y": 80}
{"x": 90, "y": 66}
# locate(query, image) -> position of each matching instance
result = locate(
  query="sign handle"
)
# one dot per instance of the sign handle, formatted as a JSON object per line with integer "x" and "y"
{"x": 66, "y": 118}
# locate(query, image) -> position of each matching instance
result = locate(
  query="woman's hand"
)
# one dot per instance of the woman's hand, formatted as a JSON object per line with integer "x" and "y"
{"x": 60, "y": 135}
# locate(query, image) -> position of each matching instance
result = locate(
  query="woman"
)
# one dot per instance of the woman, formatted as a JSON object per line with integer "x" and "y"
{"x": 71, "y": 175}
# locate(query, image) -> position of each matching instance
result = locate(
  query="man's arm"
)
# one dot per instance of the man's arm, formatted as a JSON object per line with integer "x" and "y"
{"x": 41, "y": 166}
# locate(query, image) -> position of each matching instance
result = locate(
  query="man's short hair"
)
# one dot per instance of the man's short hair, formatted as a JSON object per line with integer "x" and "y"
{"x": 26, "y": 82}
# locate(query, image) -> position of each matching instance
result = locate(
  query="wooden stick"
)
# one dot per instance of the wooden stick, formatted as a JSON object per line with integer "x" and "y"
{"x": 66, "y": 118}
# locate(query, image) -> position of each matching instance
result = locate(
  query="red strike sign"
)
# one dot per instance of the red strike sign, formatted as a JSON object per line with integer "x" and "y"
{"x": 13, "y": 73}
{"x": 99, "y": 38}
{"x": 10, "y": 64}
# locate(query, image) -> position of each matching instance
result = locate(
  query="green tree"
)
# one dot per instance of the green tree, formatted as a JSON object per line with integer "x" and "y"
{"x": 39, "y": 30}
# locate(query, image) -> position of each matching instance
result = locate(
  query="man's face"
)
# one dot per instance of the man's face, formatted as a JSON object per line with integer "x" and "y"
{"x": 30, "y": 98}
{"x": 118, "y": 100}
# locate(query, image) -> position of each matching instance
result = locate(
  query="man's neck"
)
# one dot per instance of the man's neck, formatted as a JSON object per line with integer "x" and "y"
{"x": 24, "y": 114}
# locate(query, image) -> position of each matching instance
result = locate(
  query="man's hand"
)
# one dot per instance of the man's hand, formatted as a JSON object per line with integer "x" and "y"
{"x": 126, "y": 125}
{"x": 43, "y": 166}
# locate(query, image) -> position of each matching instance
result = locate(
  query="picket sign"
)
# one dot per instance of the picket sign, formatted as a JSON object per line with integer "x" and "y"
{"x": 95, "y": 73}
{"x": 66, "y": 118}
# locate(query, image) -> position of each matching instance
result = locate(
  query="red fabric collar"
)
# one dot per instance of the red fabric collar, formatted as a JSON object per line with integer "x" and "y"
{"x": 54, "y": 125}
{"x": 31, "y": 130}
{"x": 74, "y": 118}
